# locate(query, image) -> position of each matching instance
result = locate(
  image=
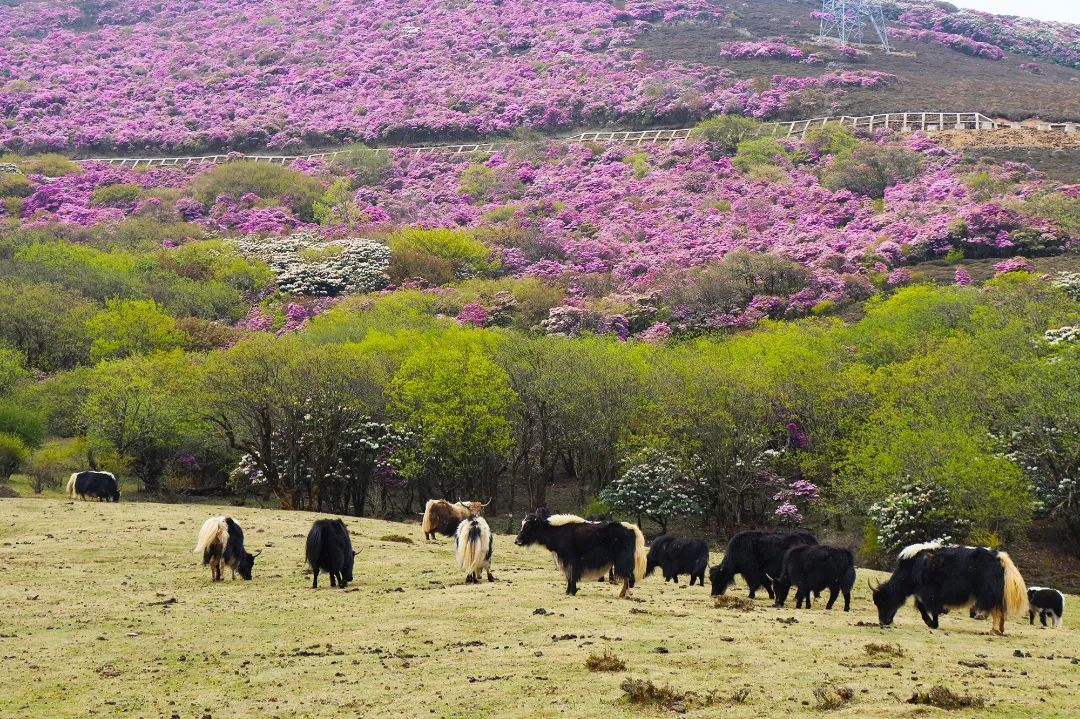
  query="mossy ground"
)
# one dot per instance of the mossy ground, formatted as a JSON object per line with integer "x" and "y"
{"x": 106, "y": 612}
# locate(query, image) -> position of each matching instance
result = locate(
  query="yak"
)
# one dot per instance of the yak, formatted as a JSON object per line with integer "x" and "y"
{"x": 221, "y": 542}
{"x": 678, "y": 555}
{"x": 586, "y": 550}
{"x": 942, "y": 576}
{"x": 756, "y": 555}
{"x": 329, "y": 549}
{"x": 101, "y": 486}
{"x": 1046, "y": 601}
{"x": 474, "y": 543}
{"x": 813, "y": 568}
{"x": 443, "y": 517}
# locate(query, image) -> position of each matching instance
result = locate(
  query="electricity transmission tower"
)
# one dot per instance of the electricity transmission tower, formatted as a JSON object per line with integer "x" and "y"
{"x": 844, "y": 19}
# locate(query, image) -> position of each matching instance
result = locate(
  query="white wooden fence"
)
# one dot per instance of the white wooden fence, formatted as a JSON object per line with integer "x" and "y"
{"x": 899, "y": 121}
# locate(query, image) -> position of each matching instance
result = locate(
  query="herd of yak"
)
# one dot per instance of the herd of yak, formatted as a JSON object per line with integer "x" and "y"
{"x": 940, "y": 577}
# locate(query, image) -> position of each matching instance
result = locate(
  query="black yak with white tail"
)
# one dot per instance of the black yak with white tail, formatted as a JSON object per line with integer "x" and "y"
{"x": 101, "y": 486}
{"x": 1046, "y": 602}
{"x": 474, "y": 543}
{"x": 221, "y": 542}
{"x": 443, "y": 517}
{"x": 756, "y": 555}
{"x": 329, "y": 549}
{"x": 814, "y": 568}
{"x": 587, "y": 550}
{"x": 678, "y": 555}
{"x": 943, "y": 577}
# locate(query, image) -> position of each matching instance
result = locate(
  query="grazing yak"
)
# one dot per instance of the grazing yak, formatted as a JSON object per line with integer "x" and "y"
{"x": 1046, "y": 601}
{"x": 586, "y": 550}
{"x": 943, "y": 577}
{"x": 443, "y": 517}
{"x": 756, "y": 555}
{"x": 678, "y": 555}
{"x": 813, "y": 568}
{"x": 474, "y": 543}
{"x": 329, "y": 549}
{"x": 221, "y": 542}
{"x": 101, "y": 486}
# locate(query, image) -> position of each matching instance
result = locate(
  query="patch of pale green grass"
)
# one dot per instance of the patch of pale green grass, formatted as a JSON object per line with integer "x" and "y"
{"x": 105, "y": 611}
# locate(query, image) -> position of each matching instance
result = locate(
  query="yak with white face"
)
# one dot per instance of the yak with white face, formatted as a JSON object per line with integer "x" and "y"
{"x": 587, "y": 550}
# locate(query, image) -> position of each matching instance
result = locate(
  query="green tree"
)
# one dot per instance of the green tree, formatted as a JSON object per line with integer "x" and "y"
{"x": 127, "y": 327}
{"x": 268, "y": 181}
{"x": 456, "y": 401}
{"x": 12, "y": 369}
{"x": 46, "y": 323}
{"x": 871, "y": 168}
{"x": 725, "y": 132}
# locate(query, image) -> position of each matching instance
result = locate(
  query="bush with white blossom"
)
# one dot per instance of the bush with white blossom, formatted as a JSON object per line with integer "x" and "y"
{"x": 917, "y": 513}
{"x": 306, "y": 264}
{"x": 659, "y": 486}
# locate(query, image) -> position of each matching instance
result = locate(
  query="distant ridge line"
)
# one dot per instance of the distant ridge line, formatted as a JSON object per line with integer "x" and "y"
{"x": 899, "y": 121}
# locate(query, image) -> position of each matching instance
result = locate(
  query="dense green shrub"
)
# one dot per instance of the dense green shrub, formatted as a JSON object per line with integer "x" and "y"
{"x": 13, "y": 454}
{"x": 48, "y": 164}
{"x": 12, "y": 368}
{"x": 95, "y": 273}
{"x": 467, "y": 255}
{"x": 366, "y": 166}
{"x": 870, "y": 168}
{"x": 725, "y": 132}
{"x": 477, "y": 181}
{"x": 268, "y": 181}
{"x": 23, "y": 422}
{"x": 836, "y": 140}
{"x": 760, "y": 152}
{"x": 117, "y": 195}
{"x": 15, "y": 185}
{"x": 127, "y": 327}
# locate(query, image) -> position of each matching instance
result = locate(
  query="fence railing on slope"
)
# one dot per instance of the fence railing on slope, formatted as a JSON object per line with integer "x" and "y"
{"x": 899, "y": 121}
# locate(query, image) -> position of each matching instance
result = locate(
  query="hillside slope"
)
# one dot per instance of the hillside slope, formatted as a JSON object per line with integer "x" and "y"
{"x": 105, "y": 75}
{"x": 111, "y": 596}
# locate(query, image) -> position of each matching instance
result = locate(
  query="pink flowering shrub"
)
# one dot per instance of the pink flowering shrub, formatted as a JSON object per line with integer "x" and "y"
{"x": 762, "y": 49}
{"x": 474, "y": 314}
{"x": 1013, "y": 264}
{"x": 963, "y": 278}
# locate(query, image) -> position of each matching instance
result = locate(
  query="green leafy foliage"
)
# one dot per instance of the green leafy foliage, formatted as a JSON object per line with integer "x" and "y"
{"x": 759, "y": 152}
{"x": 116, "y": 195}
{"x": 268, "y": 181}
{"x": 417, "y": 248}
{"x": 725, "y": 132}
{"x": 127, "y": 327}
{"x": 13, "y": 454}
{"x": 870, "y": 168}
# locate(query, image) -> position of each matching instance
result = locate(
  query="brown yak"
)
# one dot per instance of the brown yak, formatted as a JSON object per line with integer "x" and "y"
{"x": 443, "y": 517}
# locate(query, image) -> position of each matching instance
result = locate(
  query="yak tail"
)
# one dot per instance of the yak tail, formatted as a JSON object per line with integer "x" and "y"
{"x": 71, "y": 485}
{"x": 1016, "y": 599}
{"x": 641, "y": 556}
{"x": 214, "y": 530}
{"x": 472, "y": 549}
{"x": 425, "y": 525}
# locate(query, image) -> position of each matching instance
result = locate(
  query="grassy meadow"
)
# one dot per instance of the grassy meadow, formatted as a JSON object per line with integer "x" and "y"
{"x": 106, "y": 612}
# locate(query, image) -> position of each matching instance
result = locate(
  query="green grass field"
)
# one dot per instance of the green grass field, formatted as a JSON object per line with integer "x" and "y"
{"x": 106, "y": 612}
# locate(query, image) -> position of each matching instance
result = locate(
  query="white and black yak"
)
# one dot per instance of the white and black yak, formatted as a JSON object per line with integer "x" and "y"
{"x": 329, "y": 549}
{"x": 678, "y": 555}
{"x": 756, "y": 555}
{"x": 443, "y": 517}
{"x": 101, "y": 486}
{"x": 221, "y": 542}
{"x": 1047, "y": 603}
{"x": 474, "y": 543}
{"x": 946, "y": 577}
{"x": 815, "y": 568}
{"x": 587, "y": 550}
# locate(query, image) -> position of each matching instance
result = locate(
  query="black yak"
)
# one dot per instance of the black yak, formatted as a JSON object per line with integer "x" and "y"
{"x": 587, "y": 550}
{"x": 1046, "y": 601}
{"x": 813, "y": 568}
{"x": 101, "y": 486}
{"x": 329, "y": 549}
{"x": 474, "y": 543}
{"x": 943, "y": 577}
{"x": 221, "y": 542}
{"x": 678, "y": 555}
{"x": 756, "y": 555}
{"x": 443, "y": 517}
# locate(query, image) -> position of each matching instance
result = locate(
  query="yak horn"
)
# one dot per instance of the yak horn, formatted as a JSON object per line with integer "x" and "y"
{"x": 487, "y": 502}
{"x": 257, "y": 552}
{"x": 872, "y": 587}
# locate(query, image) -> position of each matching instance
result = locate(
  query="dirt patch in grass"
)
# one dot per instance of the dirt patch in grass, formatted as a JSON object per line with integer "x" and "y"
{"x": 400, "y": 538}
{"x": 606, "y": 662}
{"x": 726, "y": 601}
{"x": 944, "y": 698}
{"x": 830, "y": 696}
{"x": 875, "y": 649}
